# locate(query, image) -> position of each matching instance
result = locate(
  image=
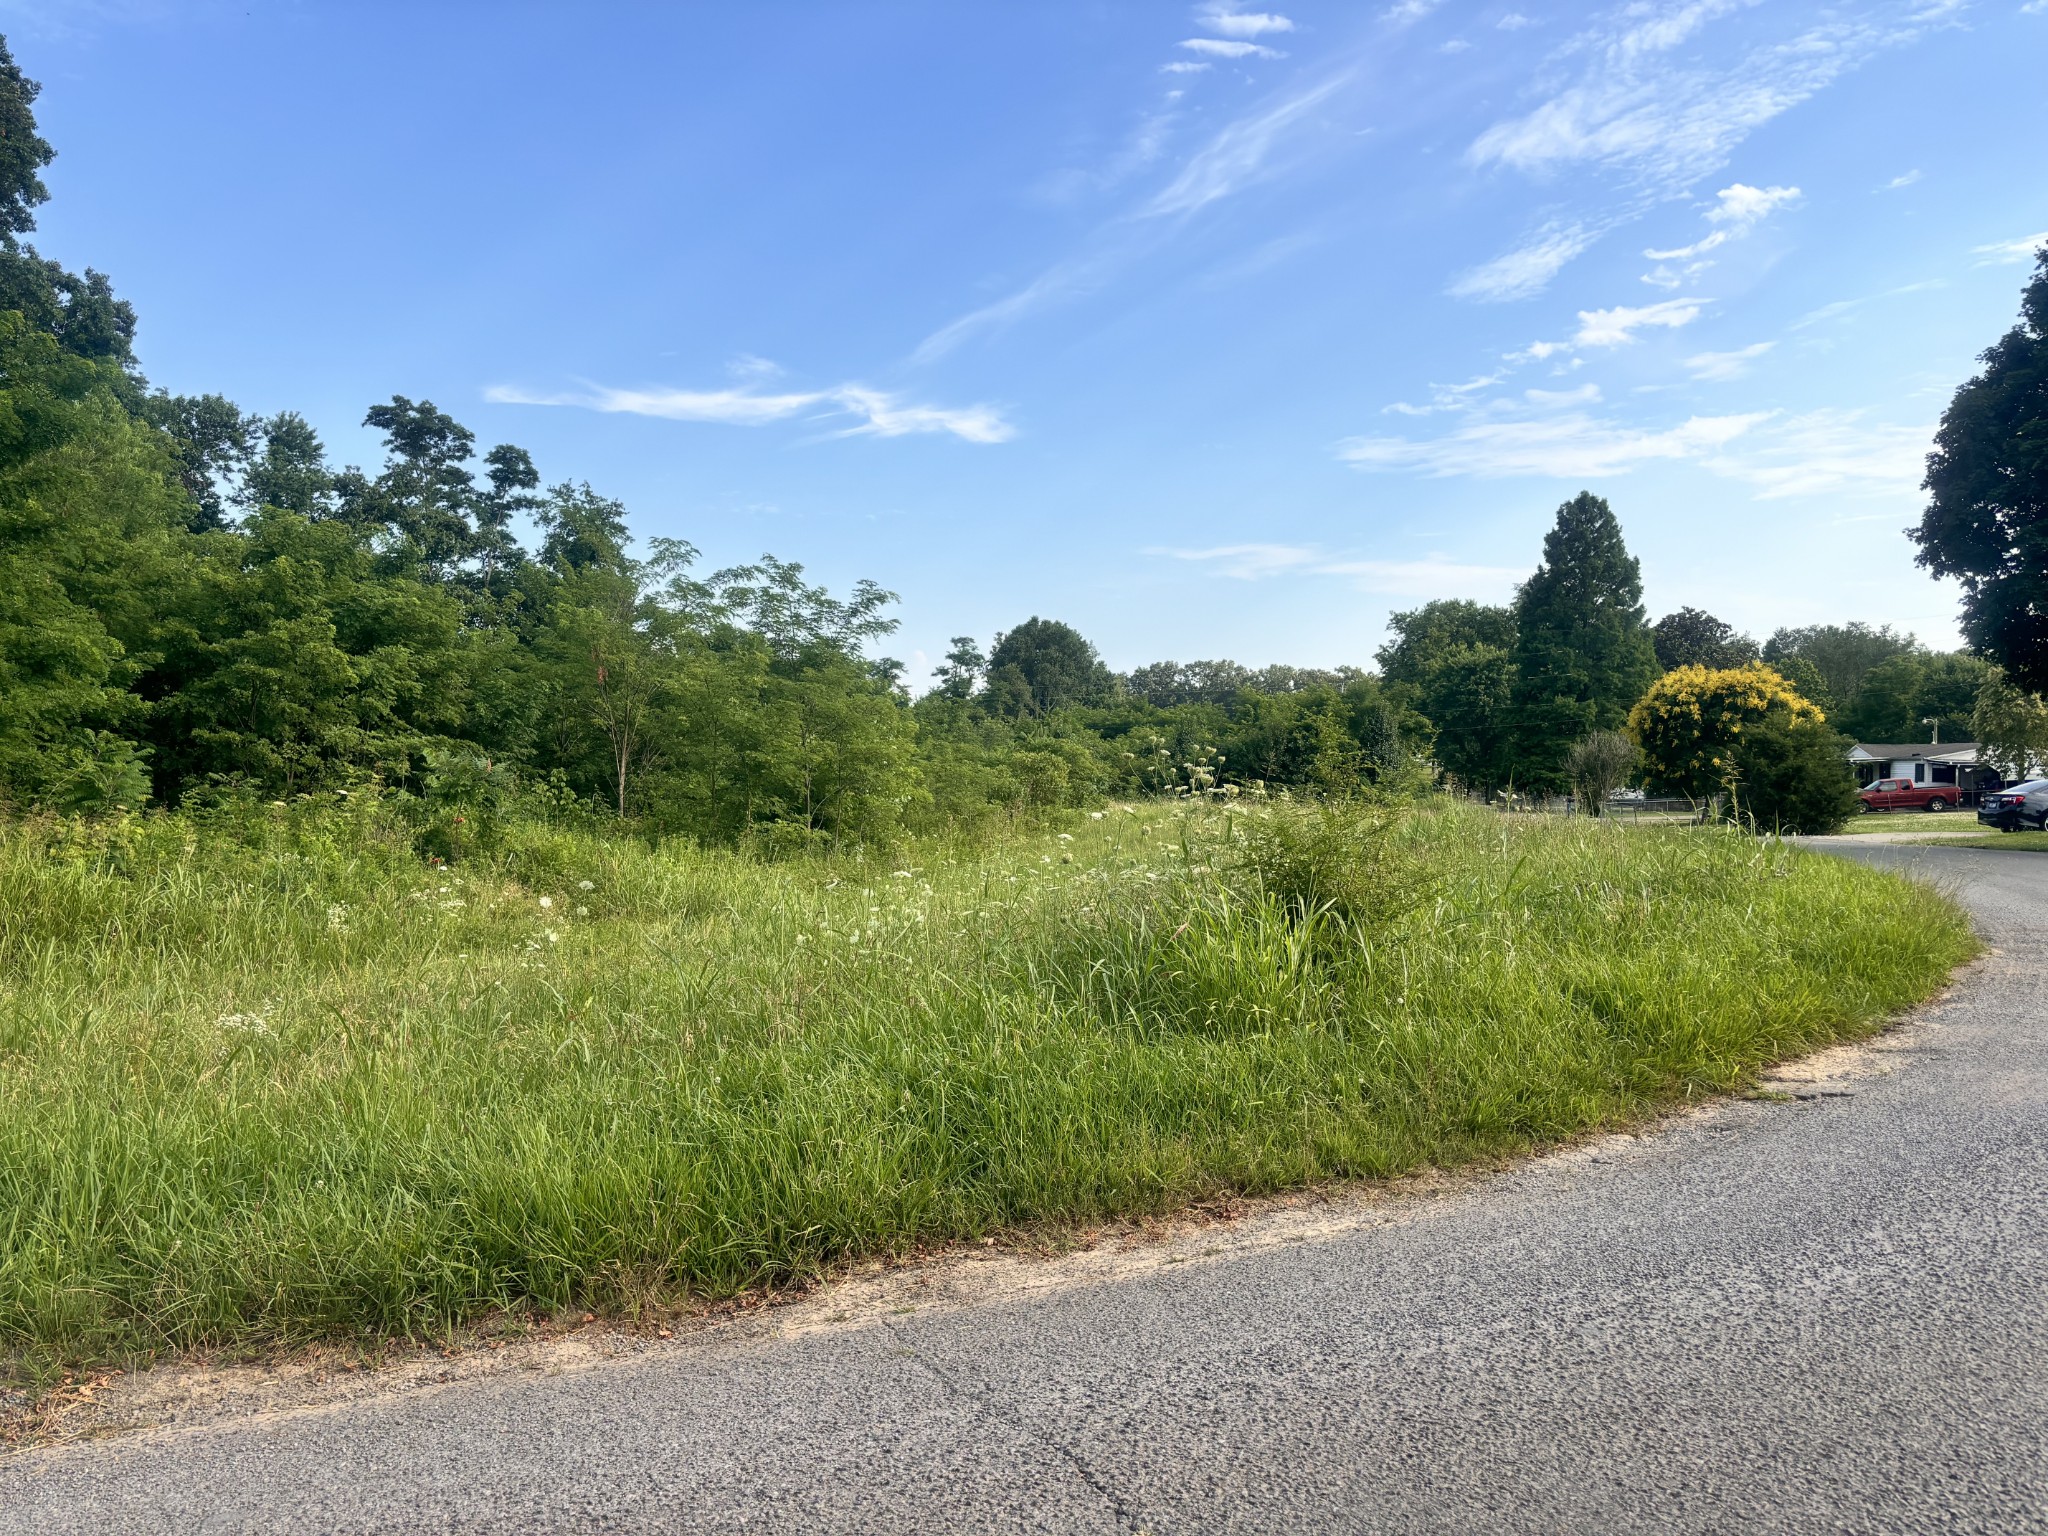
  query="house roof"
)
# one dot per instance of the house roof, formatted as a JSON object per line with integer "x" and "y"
{"x": 1885, "y": 751}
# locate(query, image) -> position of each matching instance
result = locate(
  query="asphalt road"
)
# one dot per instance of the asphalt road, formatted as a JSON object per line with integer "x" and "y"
{"x": 1829, "y": 1314}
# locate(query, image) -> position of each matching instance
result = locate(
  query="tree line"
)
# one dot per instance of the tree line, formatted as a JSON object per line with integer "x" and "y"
{"x": 196, "y": 600}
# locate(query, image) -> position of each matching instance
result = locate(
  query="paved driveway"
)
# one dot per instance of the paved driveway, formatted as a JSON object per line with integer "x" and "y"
{"x": 1823, "y": 1314}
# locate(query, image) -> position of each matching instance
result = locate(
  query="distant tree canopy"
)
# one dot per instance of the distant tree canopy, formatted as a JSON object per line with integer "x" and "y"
{"x": 1172, "y": 683}
{"x": 1422, "y": 636}
{"x": 1918, "y": 697}
{"x": 1986, "y": 521}
{"x": 1583, "y": 653}
{"x": 1691, "y": 638}
{"x": 194, "y": 601}
{"x": 1043, "y": 665}
{"x": 1843, "y": 654}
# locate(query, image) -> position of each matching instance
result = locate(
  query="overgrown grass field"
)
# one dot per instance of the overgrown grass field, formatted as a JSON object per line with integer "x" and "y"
{"x": 265, "y": 1075}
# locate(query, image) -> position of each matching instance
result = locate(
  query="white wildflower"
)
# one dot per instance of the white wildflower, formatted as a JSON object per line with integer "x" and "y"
{"x": 337, "y": 918}
{"x": 585, "y": 885}
{"x": 1095, "y": 815}
{"x": 583, "y": 911}
{"x": 243, "y": 1024}
{"x": 553, "y": 937}
{"x": 546, "y": 902}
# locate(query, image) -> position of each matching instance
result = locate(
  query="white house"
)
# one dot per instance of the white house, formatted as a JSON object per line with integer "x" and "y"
{"x": 1946, "y": 762}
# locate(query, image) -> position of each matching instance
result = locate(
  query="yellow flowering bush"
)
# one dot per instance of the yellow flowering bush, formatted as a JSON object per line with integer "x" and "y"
{"x": 1690, "y": 722}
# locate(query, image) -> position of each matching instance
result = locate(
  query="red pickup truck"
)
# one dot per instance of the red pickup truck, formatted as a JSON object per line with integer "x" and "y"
{"x": 1905, "y": 795}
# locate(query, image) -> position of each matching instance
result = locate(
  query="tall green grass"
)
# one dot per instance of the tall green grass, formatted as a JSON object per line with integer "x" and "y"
{"x": 266, "y": 1076}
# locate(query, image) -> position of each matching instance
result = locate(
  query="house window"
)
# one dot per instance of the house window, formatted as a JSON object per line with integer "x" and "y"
{"x": 1919, "y": 773}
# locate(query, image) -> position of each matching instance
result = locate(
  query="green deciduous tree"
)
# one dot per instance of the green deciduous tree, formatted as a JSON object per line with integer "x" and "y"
{"x": 1843, "y": 654}
{"x": 1986, "y": 521}
{"x": 1691, "y": 638}
{"x": 1583, "y": 654}
{"x": 1421, "y": 636}
{"x": 1043, "y": 665}
{"x": 1899, "y": 697}
{"x": 2011, "y": 728}
{"x": 1598, "y": 765}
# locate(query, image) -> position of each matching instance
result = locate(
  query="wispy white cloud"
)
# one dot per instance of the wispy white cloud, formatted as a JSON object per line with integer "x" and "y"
{"x": 1232, "y": 21}
{"x": 1055, "y": 283}
{"x": 1824, "y": 452}
{"x": 1617, "y": 327}
{"x": 1184, "y": 67}
{"x": 1831, "y": 453}
{"x": 1448, "y": 397}
{"x": 878, "y": 413}
{"x": 1571, "y": 445}
{"x": 1717, "y": 367}
{"x": 1514, "y": 21}
{"x": 1623, "y": 94}
{"x": 1235, "y": 157}
{"x": 1736, "y": 211}
{"x": 1435, "y": 575}
{"x": 1228, "y": 48}
{"x": 1246, "y": 562}
{"x": 1528, "y": 268}
{"x": 1239, "y": 153}
{"x": 1562, "y": 399}
{"x": 1404, "y": 11}
{"x": 1845, "y": 306}
{"x": 1897, "y": 182}
{"x": 2004, "y": 253}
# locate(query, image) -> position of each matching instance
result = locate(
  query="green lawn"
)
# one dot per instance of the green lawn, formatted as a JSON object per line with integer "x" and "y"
{"x": 2011, "y": 841}
{"x": 267, "y": 1077}
{"x": 1913, "y": 821}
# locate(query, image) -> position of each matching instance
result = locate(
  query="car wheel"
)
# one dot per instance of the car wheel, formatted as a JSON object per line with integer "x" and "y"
{"x": 1937, "y": 804}
{"x": 1862, "y": 807}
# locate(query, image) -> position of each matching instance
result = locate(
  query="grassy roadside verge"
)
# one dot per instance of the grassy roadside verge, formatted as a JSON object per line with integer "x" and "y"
{"x": 1910, "y": 821}
{"x": 267, "y": 1078}
{"x": 2012, "y": 842}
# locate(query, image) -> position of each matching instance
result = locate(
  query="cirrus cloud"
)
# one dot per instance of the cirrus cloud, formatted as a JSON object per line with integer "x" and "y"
{"x": 878, "y": 413}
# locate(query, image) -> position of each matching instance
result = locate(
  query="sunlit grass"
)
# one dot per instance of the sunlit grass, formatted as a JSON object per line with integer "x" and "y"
{"x": 271, "y": 1077}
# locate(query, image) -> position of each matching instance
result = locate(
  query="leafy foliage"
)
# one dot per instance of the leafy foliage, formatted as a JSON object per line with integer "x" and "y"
{"x": 2011, "y": 727}
{"x": 1915, "y": 696}
{"x": 1792, "y": 775}
{"x": 1843, "y": 654}
{"x": 1043, "y": 665}
{"x": 1986, "y": 521}
{"x": 1690, "y": 722}
{"x": 1691, "y": 638}
{"x": 1600, "y": 764}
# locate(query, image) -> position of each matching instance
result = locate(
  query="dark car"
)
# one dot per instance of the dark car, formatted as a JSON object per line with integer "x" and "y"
{"x": 2017, "y": 807}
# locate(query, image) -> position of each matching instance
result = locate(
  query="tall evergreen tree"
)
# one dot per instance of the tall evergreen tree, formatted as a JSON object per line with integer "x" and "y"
{"x": 1583, "y": 653}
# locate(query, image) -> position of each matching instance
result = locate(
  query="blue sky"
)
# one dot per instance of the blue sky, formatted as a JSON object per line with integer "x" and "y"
{"x": 1215, "y": 331}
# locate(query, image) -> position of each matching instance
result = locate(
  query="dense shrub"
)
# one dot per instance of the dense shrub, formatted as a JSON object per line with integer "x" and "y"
{"x": 1691, "y": 721}
{"x": 1793, "y": 775}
